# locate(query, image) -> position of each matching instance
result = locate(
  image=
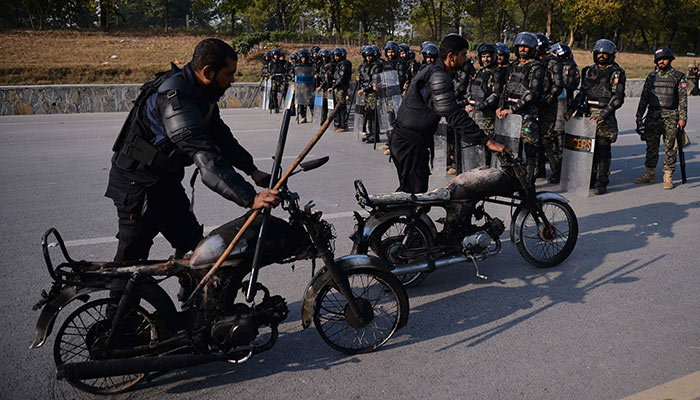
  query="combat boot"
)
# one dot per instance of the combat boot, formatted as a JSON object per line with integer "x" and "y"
{"x": 668, "y": 180}
{"x": 648, "y": 177}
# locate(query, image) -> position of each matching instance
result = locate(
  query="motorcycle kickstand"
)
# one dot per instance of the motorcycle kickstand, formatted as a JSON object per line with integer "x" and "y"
{"x": 478, "y": 275}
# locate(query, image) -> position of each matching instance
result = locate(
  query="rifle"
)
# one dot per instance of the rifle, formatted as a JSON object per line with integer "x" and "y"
{"x": 680, "y": 142}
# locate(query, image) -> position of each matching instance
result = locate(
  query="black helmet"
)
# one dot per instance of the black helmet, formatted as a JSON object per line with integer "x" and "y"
{"x": 542, "y": 43}
{"x": 663, "y": 52}
{"x": 528, "y": 40}
{"x": 391, "y": 45}
{"x": 368, "y": 51}
{"x": 562, "y": 51}
{"x": 487, "y": 47}
{"x": 404, "y": 48}
{"x": 267, "y": 55}
{"x": 323, "y": 53}
{"x": 276, "y": 52}
{"x": 315, "y": 50}
{"x": 337, "y": 51}
{"x": 411, "y": 55}
{"x": 304, "y": 52}
{"x": 604, "y": 46}
{"x": 430, "y": 50}
{"x": 427, "y": 42}
{"x": 502, "y": 49}
{"x": 377, "y": 50}
{"x": 345, "y": 52}
{"x": 294, "y": 56}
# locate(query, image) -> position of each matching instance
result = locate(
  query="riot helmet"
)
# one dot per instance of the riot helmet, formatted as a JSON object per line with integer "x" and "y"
{"x": 276, "y": 52}
{"x": 267, "y": 56}
{"x": 430, "y": 51}
{"x": 607, "y": 47}
{"x": 377, "y": 51}
{"x": 368, "y": 51}
{"x": 529, "y": 41}
{"x": 393, "y": 46}
{"x": 542, "y": 44}
{"x": 427, "y": 42}
{"x": 315, "y": 50}
{"x": 323, "y": 53}
{"x": 294, "y": 57}
{"x": 411, "y": 54}
{"x": 345, "y": 52}
{"x": 405, "y": 49}
{"x": 304, "y": 52}
{"x": 337, "y": 51}
{"x": 487, "y": 48}
{"x": 663, "y": 52}
{"x": 562, "y": 51}
{"x": 502, "y": 49}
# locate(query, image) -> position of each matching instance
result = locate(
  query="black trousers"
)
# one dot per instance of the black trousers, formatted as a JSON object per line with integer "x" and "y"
{"x": 146, "y": 211}
{"x": 412, "y": 162}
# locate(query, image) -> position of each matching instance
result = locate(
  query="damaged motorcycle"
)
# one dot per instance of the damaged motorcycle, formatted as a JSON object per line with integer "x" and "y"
{"x": 399, "y": 230}
{"x": 128, "y": 328}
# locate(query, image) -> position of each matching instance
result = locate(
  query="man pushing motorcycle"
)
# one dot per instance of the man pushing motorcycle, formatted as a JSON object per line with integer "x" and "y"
{"x": 175, "y": 123}
{"x": 429, "y": 97}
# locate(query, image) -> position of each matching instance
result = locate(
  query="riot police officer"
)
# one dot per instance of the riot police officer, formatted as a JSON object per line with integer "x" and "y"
{"x": 267, "y": 59}
{"x": 430, "y": 54}
{"x": 429, "y": 98}
{"x": 304, "y": 61}
{"x": 278, "y": 69}
{"x": 503, "y": 55}
{"x": 341, "y": 82}
{"x": 484, "y": 91}
{"x": 602, "y": 92}
{"x": 552, "y": 88}
{"x": 395, "y": 62}
{"x": 175, "y": 123}
{"x": 369, "y": 68}
{"x": 572, "y": 79}
{"x": 665, "y": 94}
{"x": 326, "y": 78}
{"x": 522, "y": 93}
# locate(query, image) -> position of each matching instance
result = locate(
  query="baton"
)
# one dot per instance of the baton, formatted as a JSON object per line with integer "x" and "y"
{"x": 195, "y": 294}
{"x": 680, "y": 136}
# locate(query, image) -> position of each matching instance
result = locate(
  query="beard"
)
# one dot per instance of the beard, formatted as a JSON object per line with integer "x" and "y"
{"x": 214, "y": 90}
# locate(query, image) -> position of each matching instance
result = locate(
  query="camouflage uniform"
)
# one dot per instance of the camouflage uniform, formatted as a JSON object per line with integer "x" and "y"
{"x": 662, "y": 119}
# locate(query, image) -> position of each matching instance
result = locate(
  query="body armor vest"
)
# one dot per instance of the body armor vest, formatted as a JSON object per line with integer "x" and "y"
{"x": 664, "y": 92}
{"x": 571, "y": 76}
{"x": 519, "y": 80}
{"x": 277, "y": 68}
{"x": 479, "y": 89}
{"x": 343, "y": 70}
{"x": 549, "y": 62}
{"x": 598, "y": 86}
{"x": 367, "y": 69}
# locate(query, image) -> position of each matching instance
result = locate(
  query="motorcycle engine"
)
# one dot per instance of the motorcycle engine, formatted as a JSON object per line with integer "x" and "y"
{"x": 476, "y": 243}
{"x": 241, "y": 328}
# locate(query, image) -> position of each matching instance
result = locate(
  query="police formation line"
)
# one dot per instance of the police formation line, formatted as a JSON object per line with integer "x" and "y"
{"x": 542, "y": 84}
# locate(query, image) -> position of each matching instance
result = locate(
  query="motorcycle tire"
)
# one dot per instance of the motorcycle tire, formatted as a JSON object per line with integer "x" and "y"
{"x": 547, "y": 246}
{"x": 377, "y": 292}
{"x": 389, "y": 237}
{"x": 82, "y": 336}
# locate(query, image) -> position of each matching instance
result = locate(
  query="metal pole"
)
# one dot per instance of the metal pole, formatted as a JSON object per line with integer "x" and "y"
{"x": 585, "y": 45}
{"x": 187, "y": 21}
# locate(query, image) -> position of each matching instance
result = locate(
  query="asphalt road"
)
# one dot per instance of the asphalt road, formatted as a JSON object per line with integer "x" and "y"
{"x": 620, "y": 316}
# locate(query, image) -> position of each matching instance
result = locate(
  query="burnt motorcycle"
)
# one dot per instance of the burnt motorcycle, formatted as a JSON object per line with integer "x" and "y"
{"x": 128, "y": 328}
{"x": 399, "y": 230}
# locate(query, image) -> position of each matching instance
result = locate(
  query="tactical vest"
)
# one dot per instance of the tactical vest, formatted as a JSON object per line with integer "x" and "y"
{"x": 571, "y": 76}
{"x": 367, "y": 69}
{"x": 342, "y": 73}
{"x": 549, "y": 62}
{"x": 664, "y": 92}
{"x": 598, "y": 86}
{"x": 519, "y": 80}
{"x": 480, "y": 89}
{"x": 277, "y": 68}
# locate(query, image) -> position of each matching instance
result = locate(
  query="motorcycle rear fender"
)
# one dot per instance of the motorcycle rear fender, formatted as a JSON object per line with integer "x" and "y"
{"x": 519, "y": 216}
{"x": 361, "y": 239}
{"x": 322, "y": 277}
{"x": 151, "y": 292}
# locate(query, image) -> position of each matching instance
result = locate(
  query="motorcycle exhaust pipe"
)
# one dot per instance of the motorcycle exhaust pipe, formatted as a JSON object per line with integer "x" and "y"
{"x": 126, "y": 366}
{"x": 426, "y": 266}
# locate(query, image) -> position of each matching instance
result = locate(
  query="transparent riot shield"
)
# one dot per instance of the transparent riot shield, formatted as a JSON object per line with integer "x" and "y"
{"x": 289, "y": 97}
{"x": 265, "y": 95}
{"x": 577, "y": 157}
{"x": 508, "y": 133}
{"x": 473, "y": 156}
{"x": 388, "y": 98}
{"x": 304, "y": 81}
{"x": 330, "y": 102}
{"x": 359, "y": 116}
{"x": 440, "y": 149}
{"x": 318, "y": 106}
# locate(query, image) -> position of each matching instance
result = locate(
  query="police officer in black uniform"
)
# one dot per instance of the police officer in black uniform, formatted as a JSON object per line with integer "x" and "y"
{"x": 278, "y": 69}
{"x": 177, "y": 125}
{"x": 552, "y": 88}
{"x": 326, "y": 77}
{"x": 503, "y": 53}
{"x": 430, "y": 97}
{"x": 341, "y": 82}
{"x": 368, "y": 70}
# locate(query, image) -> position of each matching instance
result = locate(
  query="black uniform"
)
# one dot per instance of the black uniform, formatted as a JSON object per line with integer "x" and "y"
{"x": 429, "y": 97}
{"x": 326, "y": 77}
{"x": 367, "y": 72}
{"x": 278, "y": 70}
{"x": 176, "y": 126}
{"x": 341, "y": 82}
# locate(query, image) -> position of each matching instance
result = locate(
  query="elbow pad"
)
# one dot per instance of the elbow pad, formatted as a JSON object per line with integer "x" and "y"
{"x": 444, "y": 100}
{"x": 223, "y": 179}
{"x": 490, "y": 102}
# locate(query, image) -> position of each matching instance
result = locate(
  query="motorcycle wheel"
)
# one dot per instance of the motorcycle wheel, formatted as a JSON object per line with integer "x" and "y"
{"x": 399, "y": 234}
{"x": 377, "y": 293}
{"x": 547, "y": 246}
{"x": 82, "y": 338}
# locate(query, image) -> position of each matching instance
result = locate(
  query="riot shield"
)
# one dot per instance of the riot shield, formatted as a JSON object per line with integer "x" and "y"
{"x": 388, "y": 98}
{"x": 577, "y": 157}
{"x": 508, "y": 133}
{"x": 289, "y": 97}
{"x": 265, "y": 95}
{"x": 358, "y": 121}
{"x": 330, "y": 101}
{"x": 473, "y": 156}
{"x": 440, "y": 149}
{"x": 304, "y": 80}
{"x": 318, "y": 105}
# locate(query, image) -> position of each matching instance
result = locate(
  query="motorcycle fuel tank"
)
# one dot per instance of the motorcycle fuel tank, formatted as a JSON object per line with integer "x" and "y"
{"x": 479, "y": 183}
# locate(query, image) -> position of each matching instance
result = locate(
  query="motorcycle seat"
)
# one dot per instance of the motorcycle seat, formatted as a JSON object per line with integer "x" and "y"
{"x": 441, "y": 194}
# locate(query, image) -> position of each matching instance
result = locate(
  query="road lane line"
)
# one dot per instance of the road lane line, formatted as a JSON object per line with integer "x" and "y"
{"x": 684, "y": 388}
{"x": 112, "y": 239}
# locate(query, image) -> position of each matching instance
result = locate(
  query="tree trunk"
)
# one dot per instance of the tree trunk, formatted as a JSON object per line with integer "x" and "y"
{"x": 550, "y": 11}
{"x": 104, "y": 14}
{"x": 167, "y": 14}
{"x": 572, "y": 31}
{"x": 29, "y": 13}
{"x": 233, "y": 22}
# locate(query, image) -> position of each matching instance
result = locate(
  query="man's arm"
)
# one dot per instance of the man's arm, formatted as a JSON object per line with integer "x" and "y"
{"x": 618, "y": 80}
{"x": 644, "y": 99}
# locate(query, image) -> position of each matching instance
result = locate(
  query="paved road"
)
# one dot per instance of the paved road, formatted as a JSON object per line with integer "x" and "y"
{"x": 620, "y": 316}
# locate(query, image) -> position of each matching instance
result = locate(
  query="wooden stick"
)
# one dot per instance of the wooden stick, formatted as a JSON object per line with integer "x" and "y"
{"x": 255, "y": 213}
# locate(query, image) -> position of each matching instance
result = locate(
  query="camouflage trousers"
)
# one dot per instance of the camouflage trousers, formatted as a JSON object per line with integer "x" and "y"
{"x": 371, "y": 112}
{"x": 340, "y": 96}
{"x": 605, "y": 136}
{"x": 661, "y": 123}
{"x": 530, "y": 131}
{"x": 606, "y": 128}
{"x": 275, "y": 90}
{"x": 549, "y": 138}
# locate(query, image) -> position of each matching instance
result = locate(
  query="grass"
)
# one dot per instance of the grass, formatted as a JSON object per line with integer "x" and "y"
{"x": 70, "y": 57}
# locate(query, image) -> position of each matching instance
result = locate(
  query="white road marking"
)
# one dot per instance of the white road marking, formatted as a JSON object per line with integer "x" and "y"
{"x": 112, "y": 239}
